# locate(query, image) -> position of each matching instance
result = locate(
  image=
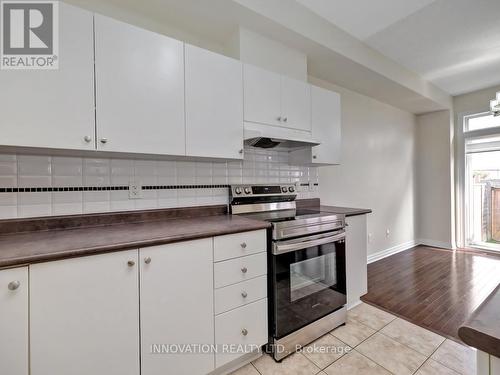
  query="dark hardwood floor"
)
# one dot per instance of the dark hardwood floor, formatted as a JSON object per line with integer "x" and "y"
{"x": 434, "y": 288}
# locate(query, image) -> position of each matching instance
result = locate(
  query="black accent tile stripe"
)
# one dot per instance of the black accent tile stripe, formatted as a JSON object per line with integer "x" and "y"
{"x": 104, "y": 188}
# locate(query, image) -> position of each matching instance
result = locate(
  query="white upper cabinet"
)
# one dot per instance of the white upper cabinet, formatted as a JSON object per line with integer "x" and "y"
{"x": 84, "y": 315}
{"x": 14, "y": 321}
{"x": 326, "y": 125}
{"x": 139, "y": 90}
{"x": 276, "y": 100}
{"x": 262, "y": 96}
{"x": 177, "y": 306}
{"x": 296, "y": 104}
{"x": 54, "y": 108}
{"x": 326, "y": 128}
{"x": 214, "y": 104}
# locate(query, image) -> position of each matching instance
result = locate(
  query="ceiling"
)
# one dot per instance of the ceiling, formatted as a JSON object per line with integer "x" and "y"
{"x": 455, "y": 44}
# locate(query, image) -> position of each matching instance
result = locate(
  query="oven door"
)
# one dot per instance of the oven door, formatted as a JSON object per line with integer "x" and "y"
{"x": 308, "y": 280}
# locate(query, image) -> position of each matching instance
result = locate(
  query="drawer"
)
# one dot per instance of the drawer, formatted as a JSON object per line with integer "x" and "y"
{"x": 239, "y": 244}
{"x": 246, "y": 326}
{"x": 240, "y": 269}
{"x": 240, "y": 294}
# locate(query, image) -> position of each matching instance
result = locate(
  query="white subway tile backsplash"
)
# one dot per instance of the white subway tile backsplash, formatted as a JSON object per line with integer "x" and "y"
{"x": 28, "y": 171}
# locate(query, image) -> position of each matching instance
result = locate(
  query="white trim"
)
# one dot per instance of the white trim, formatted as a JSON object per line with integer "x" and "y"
{"x": 434, "y": 243}
{"x": 391, "y": 251}
{"x": 353, "y": 305}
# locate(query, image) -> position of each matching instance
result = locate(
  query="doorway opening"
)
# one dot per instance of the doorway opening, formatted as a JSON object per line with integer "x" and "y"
{"x": 482, "y": 181}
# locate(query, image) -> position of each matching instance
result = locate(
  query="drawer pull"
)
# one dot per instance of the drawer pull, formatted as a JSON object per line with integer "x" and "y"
{"x": 244, "y": 332}
{"x": 131, "y": 263}
{"x": 244, "y": 294}
{"x": 244, "y": 270}
{"x": 147, "y": 260}
{"x": 13, "y": 285}
{"x": 244, "y": 245}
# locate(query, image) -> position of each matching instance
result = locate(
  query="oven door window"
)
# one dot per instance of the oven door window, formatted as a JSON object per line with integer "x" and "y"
{"x": 311, "y": 276}
{"x": 308, "y": 284}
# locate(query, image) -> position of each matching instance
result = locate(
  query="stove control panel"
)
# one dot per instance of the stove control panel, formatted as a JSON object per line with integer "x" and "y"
{"x": 262, "y": 190}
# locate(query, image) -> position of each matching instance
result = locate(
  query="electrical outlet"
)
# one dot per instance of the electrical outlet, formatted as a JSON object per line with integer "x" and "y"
{"x": 135, "y": 191}
{"x": 387, "y": 232}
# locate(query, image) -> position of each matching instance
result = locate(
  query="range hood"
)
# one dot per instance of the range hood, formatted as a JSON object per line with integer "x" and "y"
{"x": 264, "y": 136}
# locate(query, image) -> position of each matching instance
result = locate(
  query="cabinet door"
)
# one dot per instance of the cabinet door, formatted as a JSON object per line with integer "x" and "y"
{"x": 54, "y": 108}
{"x": 177, "y": 307}
{"x": 14, "y": 321}
{"x": 295, "y": 104}
{"x": 356, "y": 258}
{"x": 84, "y": 315}
{"x": 214, "y": 104}
{"x": 326, "y": 125}
{"x": 139, "y": 90}
{"x": 262, "y": 96}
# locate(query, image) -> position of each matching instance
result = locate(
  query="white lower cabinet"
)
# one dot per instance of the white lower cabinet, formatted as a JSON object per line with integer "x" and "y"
{"x": 240, "y": 331}
{"x": 176, "y": 307}
{"x": 148, "y": 311}
{"x": 240, "y": 296}
{"x": 14, "y": 321}
{"x": 84, "y": 315}
{"x": 356, "y": 258}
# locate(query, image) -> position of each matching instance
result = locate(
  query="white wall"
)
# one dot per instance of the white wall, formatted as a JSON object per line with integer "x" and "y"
{"x": 255, "y": 49}
{"x": 377, "y": 170}
{"x": 434, "y": 180}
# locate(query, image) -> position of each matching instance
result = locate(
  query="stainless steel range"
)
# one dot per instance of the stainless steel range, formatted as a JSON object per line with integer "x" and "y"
{"x": 306, "y": 265}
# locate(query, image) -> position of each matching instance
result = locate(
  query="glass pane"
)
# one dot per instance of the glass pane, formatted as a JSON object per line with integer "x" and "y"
{"x": 482, "y": 122}
{"x": 312, "y": 275}
{"x": 483, "y": 203}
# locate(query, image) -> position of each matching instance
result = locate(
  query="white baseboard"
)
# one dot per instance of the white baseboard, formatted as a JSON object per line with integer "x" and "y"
{"x": 391, "y": 251}
{"x": 433, "y": 243}
{"x": 405, "y": 246}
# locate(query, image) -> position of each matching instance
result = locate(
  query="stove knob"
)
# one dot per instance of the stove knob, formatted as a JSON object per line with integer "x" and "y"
{"x": 291, "y": 189}
{"x": 248, "y": 190}
{"x": 237, "y": 190}
{"x": 284, "y": 189}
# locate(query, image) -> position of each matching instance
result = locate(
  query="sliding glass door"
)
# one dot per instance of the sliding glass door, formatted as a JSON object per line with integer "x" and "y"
{"x": 482, "y": 181}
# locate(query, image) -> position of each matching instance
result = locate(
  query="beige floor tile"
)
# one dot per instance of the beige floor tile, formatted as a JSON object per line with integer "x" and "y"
{"x": 457, "y": 357}
{"x": 326, "y": 350}
{"x": 353, "y": 333}
{"x": 354, "y": 363}
{"x": 295, "y": 364}
{"x": 370, "y": 316}
{"x": 431, "y": 367}
{"x": 246, "y": 370}
{"x": 415, "y": 337}
{"x": 390, "y": 354}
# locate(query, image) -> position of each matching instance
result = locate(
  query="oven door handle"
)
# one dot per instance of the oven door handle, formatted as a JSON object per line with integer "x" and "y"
{"x": 282, "y": 248}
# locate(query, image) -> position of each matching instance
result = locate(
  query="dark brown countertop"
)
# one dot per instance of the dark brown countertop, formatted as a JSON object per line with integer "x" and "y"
{"x": 347, "y": 211}
{"x": 482, "y": 330}
{"x": 44, "y": 245}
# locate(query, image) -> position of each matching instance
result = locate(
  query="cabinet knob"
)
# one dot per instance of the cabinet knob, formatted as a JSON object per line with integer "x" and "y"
{"x": 13, "y": 285}
{"x": 285, "y": 119}
{"x": 244, "y": 294}
{"x": 131, "y": 263}
{"x": 147, "y": 260}
{"x": 278, "y": 118}
{"x": 244, "y": 245}
{"x": 87, "y": 138}
{"x": 240, "y": 151}
{"x": 244, "y": 270}
{"x": 104, "y": 140}
{"x": 244, "y": 332}
{"x": 315, "y": 157}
